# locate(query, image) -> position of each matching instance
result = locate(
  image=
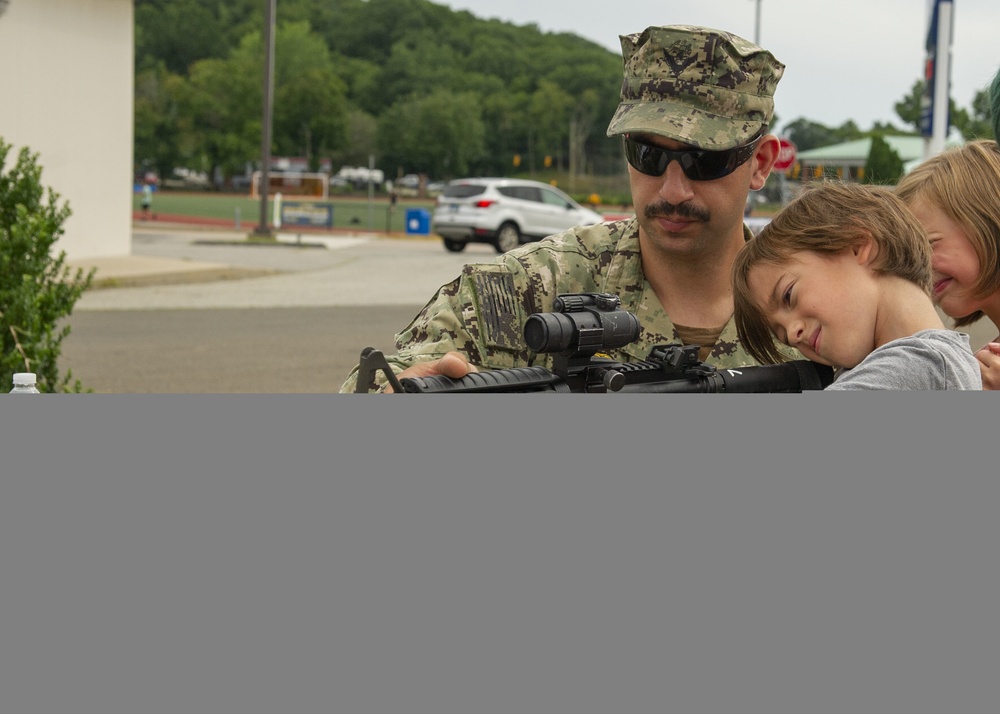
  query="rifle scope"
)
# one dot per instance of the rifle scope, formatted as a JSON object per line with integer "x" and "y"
{"x": 581, "y": 324}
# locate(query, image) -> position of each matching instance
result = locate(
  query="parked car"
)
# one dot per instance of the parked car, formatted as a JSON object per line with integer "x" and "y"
{"x": 241, "y": 183}
{"x": 434, "y": 188}
{"x": 183, "y": 178}
{"x": 408, "y": 181}
{"x": 504, "y": 213}
{"x": 408, "y": 185}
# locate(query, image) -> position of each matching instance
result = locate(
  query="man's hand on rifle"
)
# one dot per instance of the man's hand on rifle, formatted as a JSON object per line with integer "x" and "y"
{"x": 453, "y": 364}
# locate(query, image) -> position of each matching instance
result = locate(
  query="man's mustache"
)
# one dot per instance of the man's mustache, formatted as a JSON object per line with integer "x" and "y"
{"x": 662, "y": 209}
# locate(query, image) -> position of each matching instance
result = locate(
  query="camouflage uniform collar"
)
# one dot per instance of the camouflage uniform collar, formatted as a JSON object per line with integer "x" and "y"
{"x": 626, "y": 263}
{"x": 625, "y": 271}
{"x": 626, "y": 279}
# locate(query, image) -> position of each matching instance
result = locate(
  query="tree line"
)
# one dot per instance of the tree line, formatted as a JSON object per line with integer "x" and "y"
{"x": 422, "y": 88}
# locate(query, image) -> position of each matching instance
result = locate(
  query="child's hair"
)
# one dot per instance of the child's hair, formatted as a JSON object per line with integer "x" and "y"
{"x": 964, "y": 183}
{"x": 829, "y": 217}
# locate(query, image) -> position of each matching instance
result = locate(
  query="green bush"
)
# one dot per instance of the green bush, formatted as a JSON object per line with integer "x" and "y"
{"x": 36, "y": 288}
{"x": 884, "y": 166}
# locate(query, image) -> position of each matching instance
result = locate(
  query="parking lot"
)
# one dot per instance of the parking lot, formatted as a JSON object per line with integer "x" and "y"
{"x": 249, "y": 318}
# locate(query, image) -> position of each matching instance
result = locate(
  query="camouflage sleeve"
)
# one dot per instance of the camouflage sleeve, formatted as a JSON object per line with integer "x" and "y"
{"x": 482, "y": 312}
{"x": 479, "y": 314}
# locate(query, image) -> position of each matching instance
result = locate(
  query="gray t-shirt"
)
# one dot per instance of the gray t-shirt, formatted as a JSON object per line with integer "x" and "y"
{"x": 928, "y": 360}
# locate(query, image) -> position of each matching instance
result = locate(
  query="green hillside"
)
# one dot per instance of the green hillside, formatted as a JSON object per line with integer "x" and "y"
{"x": 416, "y": 86}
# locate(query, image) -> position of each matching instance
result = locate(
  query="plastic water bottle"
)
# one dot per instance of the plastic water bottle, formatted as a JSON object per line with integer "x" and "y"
{"x": 24, "y": 383}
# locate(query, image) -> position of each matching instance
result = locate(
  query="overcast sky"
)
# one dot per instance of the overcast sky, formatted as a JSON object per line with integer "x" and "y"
{"x": 845, "y": 59}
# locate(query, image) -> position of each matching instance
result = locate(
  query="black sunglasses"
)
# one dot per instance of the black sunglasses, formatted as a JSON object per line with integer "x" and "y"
{"x": 697, "y": 164}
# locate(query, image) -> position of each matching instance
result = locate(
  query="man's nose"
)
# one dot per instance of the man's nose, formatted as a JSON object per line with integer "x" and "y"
{"x": 675, "y": 187}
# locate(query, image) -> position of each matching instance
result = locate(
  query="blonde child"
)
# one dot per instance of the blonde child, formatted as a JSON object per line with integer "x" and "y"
{"x": 843, "y": 275}
{"x": 956, "y": 196}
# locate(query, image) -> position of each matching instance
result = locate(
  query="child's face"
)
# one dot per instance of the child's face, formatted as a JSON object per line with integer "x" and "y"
{"x": 822, "y": 305}
{"x": 956, "y": 265}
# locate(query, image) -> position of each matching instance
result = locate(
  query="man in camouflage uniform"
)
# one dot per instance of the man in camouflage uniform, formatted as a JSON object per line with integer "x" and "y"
{"x": 685, "y": 88}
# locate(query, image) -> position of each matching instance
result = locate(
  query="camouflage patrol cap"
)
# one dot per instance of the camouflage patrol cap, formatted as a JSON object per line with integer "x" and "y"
{"x": 699, "y": 86}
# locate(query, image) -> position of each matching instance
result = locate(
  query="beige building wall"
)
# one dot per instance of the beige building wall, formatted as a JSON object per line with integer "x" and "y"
{"x": 66, "y": 85}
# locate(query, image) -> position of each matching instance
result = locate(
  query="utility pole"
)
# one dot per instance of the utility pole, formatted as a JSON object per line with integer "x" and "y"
{"x": 263, "y": 229}
{"x": 756, "y": 29}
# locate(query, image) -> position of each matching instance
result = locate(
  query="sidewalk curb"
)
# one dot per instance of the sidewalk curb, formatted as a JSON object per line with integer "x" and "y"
{"x": 198, "y": 275}
{"x": 128, "y": 271}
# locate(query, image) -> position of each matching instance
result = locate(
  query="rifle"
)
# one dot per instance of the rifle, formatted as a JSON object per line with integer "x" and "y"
{"x": 576, "y": 332}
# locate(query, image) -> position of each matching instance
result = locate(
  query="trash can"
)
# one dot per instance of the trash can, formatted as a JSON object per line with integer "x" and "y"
{"x": 418, "y": 221}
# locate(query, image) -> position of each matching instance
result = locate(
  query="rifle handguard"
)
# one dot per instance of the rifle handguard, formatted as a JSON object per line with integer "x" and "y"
{"x": 517, "y": 379}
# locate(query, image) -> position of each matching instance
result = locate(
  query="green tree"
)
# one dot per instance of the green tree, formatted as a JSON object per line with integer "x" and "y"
{"x": 361, "y": 78}
{"x": 908, "y": 108}
{"x": 384, "y": 52}
{"x": 362, "y": 140}
{"x": 440, "y": 134}
{"x": 506, "y": 129}
{"x": 581, "y": 124}
{"x": 181, "y": 32}
{"x": 498, "y": 50}
{"x": 848, "y": 131}
{"x": 310, "y": 104}
{"x": 972, "y": 125}
{"x": 980, "y": 125}
{"x": 884, "y": 165}
{"x": 176, "y": 34}
{"x": 550, "y": 111}
{"x": 223, "y": 100}
{"x": 37, "y": 289}
{"x": 161, "y": 140}
{"x": 420, "y": 64}
{"x": 808, "y": 134}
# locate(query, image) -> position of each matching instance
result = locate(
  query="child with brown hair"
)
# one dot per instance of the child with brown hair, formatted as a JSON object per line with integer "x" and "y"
{"x": 956, "y": 196}
{"x": 843, "y": 275}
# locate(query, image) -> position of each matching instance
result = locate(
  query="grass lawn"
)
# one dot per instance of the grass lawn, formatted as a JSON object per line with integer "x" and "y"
{"x": 348, "y": 212}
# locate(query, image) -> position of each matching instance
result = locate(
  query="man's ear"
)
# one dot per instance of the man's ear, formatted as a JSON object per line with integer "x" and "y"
{"x": 763, "y": 160}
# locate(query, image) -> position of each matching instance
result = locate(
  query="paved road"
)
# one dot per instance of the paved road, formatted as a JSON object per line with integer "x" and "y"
{"x": 341, "y": 271}
{"x": 258, "y": 350}
{"x": 299, "y": 329}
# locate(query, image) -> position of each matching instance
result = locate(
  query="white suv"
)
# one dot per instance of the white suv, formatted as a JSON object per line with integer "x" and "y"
{"x": 504, "y": 212}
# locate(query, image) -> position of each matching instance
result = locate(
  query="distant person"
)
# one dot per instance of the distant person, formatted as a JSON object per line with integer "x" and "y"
{"x": 843, "y": 275}
{"x": 393, "y": 199}
{"x": 956, "y": 196}
{"x": 693, "y": 121}
{"x": 147, "y": 200}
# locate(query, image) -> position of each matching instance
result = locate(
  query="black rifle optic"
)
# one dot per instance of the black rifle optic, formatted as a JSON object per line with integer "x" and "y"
{"x": 583, "y": 325}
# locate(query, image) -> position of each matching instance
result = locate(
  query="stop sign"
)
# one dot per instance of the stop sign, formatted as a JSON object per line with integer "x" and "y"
{"x": 786, "y": 155}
